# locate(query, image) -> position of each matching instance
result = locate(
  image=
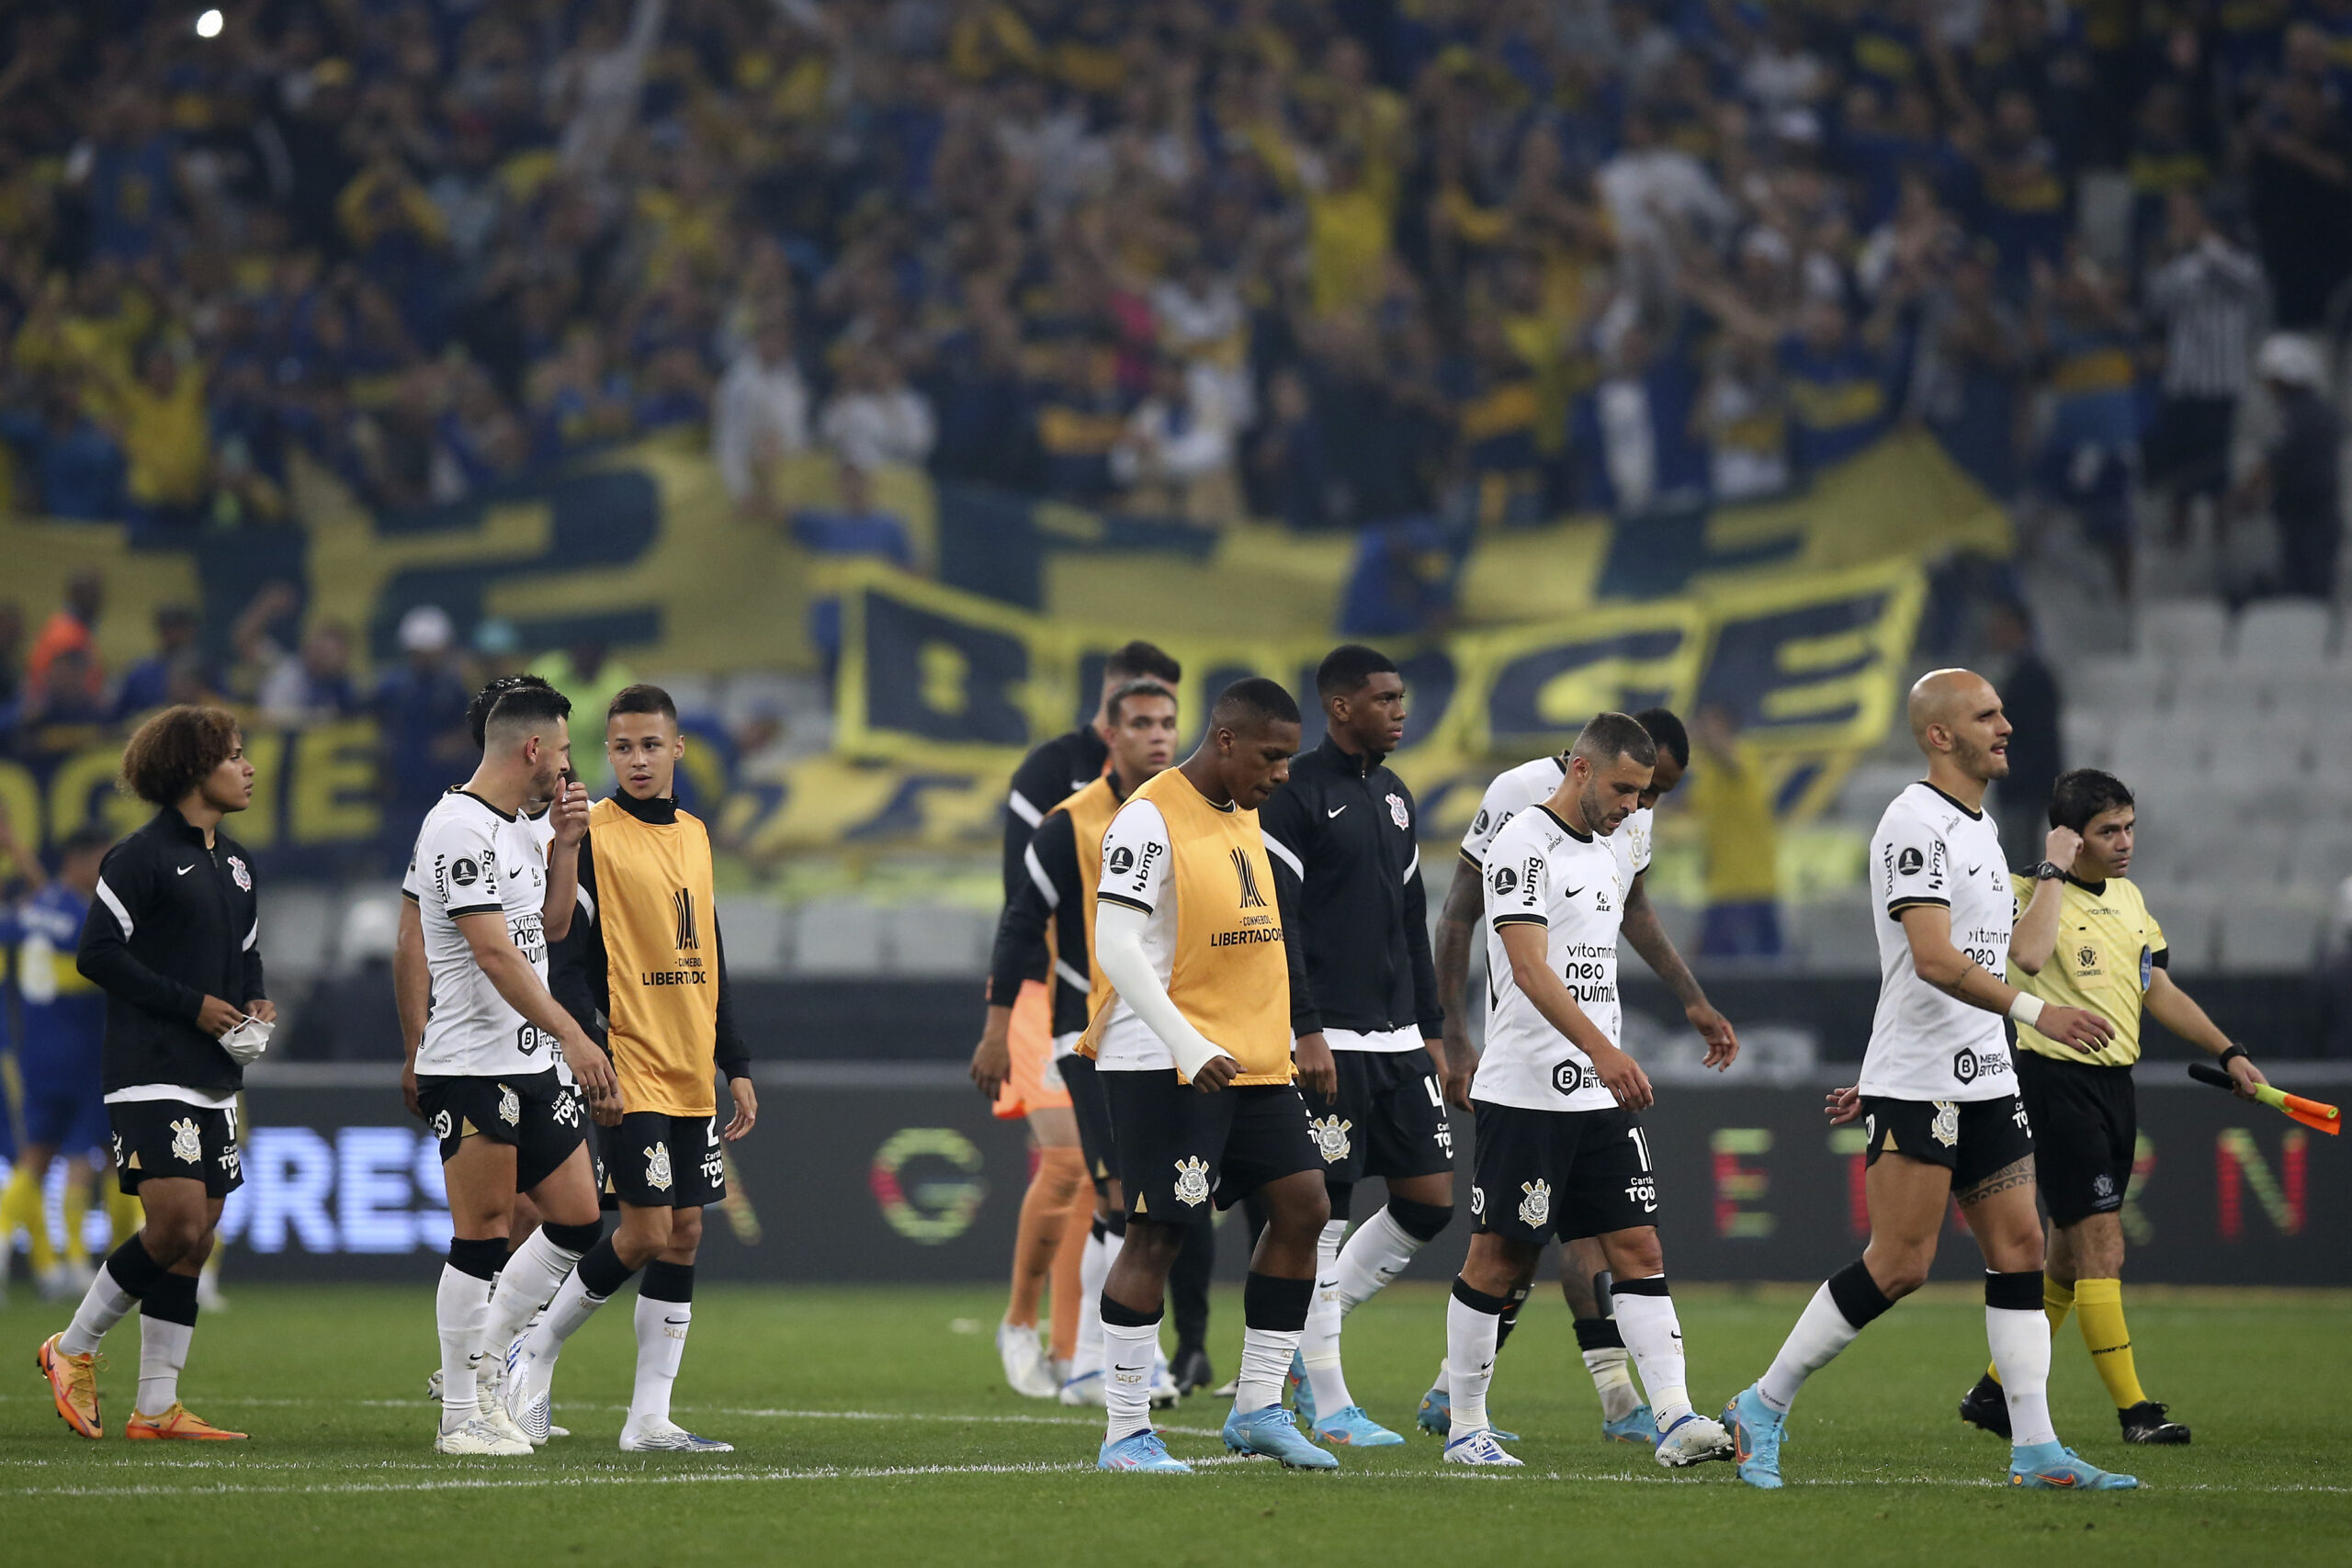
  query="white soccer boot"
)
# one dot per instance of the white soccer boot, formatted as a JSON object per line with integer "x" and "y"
{"x": 667, "y": 1437}
{"x": 1694, "y": 1440}
{"x": 1025, "y": 1362}
{"x": 478, "y": 1437}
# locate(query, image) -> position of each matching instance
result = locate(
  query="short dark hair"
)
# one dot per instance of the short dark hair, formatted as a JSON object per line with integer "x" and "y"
{"x": 642, "y": 698}
{"x": 1136, "y": 689}
{"x": 88, "y": 839}
{"x": 534, "y": 708}
{"x": 2083, "y": 793}
{"x": 1613, "y": 735}
{"x": 1346, "y": 668}
{"x": 1137, "y": 659}
{"x": 478, "y": 710}
{"x": 1251, "y": 703}
{"x": 1668, "y": 732}
{"x": 171, "y": 752}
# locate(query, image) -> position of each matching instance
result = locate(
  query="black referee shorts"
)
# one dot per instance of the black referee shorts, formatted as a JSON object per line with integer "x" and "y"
{"x": 2085, "y": 1132}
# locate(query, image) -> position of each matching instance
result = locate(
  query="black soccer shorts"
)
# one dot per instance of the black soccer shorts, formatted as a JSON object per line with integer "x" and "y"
{"x": 654, "y": 1161}
{"x": 545, "y": 1120}
{"x": 2085, "y": 1121}
{"x": 1089, "y": 1104}
{"x": 1971, "y": 1138}
{"x": 176, "y": 1137}
{"x": 1183, "y": 1155}
{"x": 1537, "y": 1174}
{"x": 1388, "y": 1121}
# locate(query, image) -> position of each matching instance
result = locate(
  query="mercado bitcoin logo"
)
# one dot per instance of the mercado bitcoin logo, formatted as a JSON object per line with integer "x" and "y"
{"x": 923, "y": 1203}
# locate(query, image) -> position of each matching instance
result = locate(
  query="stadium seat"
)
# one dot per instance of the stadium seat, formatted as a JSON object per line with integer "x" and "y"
{"x": 2182, "y": 628}
{"x": 2243, "y": 855}
{"x": 2269, "y": 932}
{"x": 2087, "y": 736}
{"x": 2307, "y": 691}
{"x": 298, "y": 928}
{"x": 758, "y": 935}
{"x": 2288, "y": 631}
{"x": 2189, "y": 921}
{"x": 2117, "y": 685}
{"x": 936, "y": 938}
{"x": 2274, "y": 742}
{"x": 2148, "y": 746}
{"x": 831, "y": 937}
{"x": 2320, "y": 860}
{"x": 2208, "y": 682}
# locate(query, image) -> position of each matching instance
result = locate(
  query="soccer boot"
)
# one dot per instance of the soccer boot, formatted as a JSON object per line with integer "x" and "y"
{"x": 433, "y": 1386}
{"x": 1192, "y": 1368}
{"x": 667, "y": 1437}
{"x": 1352, "y": 1429}
{"x": 528, "y": 1392}
{"x": 1481, "y": 1447}
{"x": 1141, "y": 1451}
{"x": 1025, "y": 1362}
{"x": 1693, "y": 1440}
{"x": 72, "y": 1384}
{"x": 1636, "y": 1426}
{"x": 2145, "y": 1422}
{"x": 177, "y": 1422}
{"x": 478, "y": 1439}
{"x": 1986, "y": 1405}
{"x": 2054, "y": 1467}
{"x": 1274, "y": 1433}
{"x": 1164, "y": 1391}
{"x": 1301, "y": 1389}
{"x": 1086, "y": 1388}
{"x": 1436, "y": 1418}
{"x": 1755, "y": 1429}
{"x": 493, "y": 1413}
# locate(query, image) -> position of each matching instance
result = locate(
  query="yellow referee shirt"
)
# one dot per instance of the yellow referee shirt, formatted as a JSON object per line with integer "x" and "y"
{"x": 2108, "y": 947}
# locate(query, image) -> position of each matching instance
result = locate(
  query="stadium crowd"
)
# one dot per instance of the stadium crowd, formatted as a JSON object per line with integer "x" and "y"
{"x": 1341, "y": 262}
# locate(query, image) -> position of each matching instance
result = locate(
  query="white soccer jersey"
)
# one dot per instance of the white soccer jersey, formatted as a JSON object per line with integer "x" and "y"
{"x": 1135, "y": 857}
{"x": 473, "y": 858}
{"x": 1541, "y": 871}
{"x": 1520, "y": 787}
{"x": 1927, "y": 1044}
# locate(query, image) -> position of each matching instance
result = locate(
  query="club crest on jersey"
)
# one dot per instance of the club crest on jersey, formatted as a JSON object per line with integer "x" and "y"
{"x": 1535, "y": 1207}
{"x": 1330, "y": 1136}
{"x": 657, "y": 1166}
{"x": 1396, "y": 812}
{"x": 1192, "y": 1181}
{"x": 1945, "y": 1128}
{"x": 245, "y": 878}
{"x": 188, "y": 1145}
{"x": 510, "y": 1105}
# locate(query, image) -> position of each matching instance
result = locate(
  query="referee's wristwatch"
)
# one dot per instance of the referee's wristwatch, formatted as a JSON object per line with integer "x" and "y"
{"x": 2047, "y": 871}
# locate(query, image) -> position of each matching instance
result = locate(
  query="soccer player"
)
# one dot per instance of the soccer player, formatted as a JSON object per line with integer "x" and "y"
{"x": 173, "y": 941}
{"x": 487, "y": 1081}
{"x": 1020, "y": 1062}
{"x": 635, "y": 956}
{"x": 1560, "y": 1146}
{"x": 1342, "y": 828}
{"x": 1064, "y": 861}
{"x": 1584, "y": 1278}
{"x": 59, "y": 1049}
{"x": 1938, "y": 1095}
{"x": 1194, "y": 1052}
{"x": 2094, "y": 946}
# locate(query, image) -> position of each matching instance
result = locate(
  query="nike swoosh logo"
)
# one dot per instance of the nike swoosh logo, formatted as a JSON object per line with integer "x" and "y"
{"x": 1975, "y": 869}
{"x": 184, "y": 871}
{"x": 683, "y": 1322}
{"x": 1573, "y": 893}
{"x": 1333, "y": 812}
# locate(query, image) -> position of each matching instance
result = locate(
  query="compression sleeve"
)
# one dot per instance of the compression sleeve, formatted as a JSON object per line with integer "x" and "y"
{"x": 1118, "y": 947}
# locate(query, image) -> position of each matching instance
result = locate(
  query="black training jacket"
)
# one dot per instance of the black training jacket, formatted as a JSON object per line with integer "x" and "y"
{"x": 173, "y": 922}
{"x": 1342, "y": 831}
{"x": 1050, "y": 774}
{"x": 1051, "y": 892}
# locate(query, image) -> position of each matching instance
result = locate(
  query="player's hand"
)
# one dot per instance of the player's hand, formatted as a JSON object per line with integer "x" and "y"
{"x": 991, "y": 1064}
{"x": 2061, "y": 848}
{"x": 1216, "y": 1073}
{"x": 1625, "y": 1080}
{"x": 1845, "y": 1105}
{"x": 408, "y": 1088}
{"x": 597, "y": 1081}
{"x": 2078, "y": 1027}
{"x": 2243, "y": 1076}
{"x": 1723, "y": 1041}
{"x": 1318, "y": 1073}
{"x": 216, "y": 1017}
{"x": 1460, "y": 1067}
{"x": 262, "y": 1009}
{"x": 747, "y": 1107}
{"x": 568, "y": 815}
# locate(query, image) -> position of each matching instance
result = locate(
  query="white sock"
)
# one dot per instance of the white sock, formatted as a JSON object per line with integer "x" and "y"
{"x": 1093, "y": 1268}
{"x": 459, "y": 1305}
{"x": 661, "y": 1347}
{"x": 533, "y": 1272}
{"x": 1612, "y": 1380}
{"x": 1374, "y": 1254}
{"x": 1126, "y": 1378}
{"x": 1471, "y": 1335}
{"x": 1319, "y": 1346}
{"x": 162, "y": 1352}
{"x": 1265, "y": 1363}
{"x": 104, "y": 1304}
{"x": 571, "y": 1307}
{"x": 1822, "y": 1332}
{"x": 2020, "y": 1342}
{"x": 1654, "y": 1335}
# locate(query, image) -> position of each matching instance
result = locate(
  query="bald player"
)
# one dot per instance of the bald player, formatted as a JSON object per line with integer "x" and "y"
{"x": 1939, "y": 1095}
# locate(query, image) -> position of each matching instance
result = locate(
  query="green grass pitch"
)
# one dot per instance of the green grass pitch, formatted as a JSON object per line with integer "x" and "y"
{"x": 871, "y": 1425}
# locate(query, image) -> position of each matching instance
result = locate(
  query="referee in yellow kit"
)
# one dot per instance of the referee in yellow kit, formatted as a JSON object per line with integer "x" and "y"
{"x": 2088, "y": 940}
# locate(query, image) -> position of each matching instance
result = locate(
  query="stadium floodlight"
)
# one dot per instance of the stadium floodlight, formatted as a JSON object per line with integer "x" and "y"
{"x": 208, "y": 24}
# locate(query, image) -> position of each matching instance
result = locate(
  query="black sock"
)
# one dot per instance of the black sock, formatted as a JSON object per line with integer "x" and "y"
{"x": 133, "y": 1268}
{"x": 602, "y": 1272}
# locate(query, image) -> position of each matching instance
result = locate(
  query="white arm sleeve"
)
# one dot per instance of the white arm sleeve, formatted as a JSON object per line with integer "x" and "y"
{"x": 1118, "y": 948}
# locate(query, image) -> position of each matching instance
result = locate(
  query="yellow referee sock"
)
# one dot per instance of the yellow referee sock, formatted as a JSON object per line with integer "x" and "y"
{"x": 2057, "y": 1300}
{"x": 20, "y": 1205}
{"x": 2110, "y": 1342}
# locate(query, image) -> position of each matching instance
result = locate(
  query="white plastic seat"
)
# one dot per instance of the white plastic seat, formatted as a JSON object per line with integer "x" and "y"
{"x": 836, "y": 938}
{"x": 2269, "y": 934}
{"x": 2285, "y": 631}
{"x": 2179, "y": 629}
{"x": 2189, "y": 921}
{"x": 2116, "y": 685}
